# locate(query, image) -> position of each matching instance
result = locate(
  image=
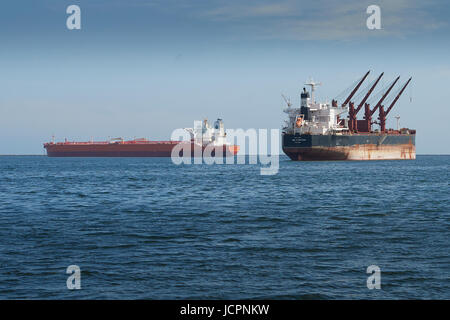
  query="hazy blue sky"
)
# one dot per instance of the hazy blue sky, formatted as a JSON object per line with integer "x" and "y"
{"x": 141, "y": 68}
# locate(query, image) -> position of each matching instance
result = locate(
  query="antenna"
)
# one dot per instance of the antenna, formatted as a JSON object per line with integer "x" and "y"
{"x": 287, "y": 100}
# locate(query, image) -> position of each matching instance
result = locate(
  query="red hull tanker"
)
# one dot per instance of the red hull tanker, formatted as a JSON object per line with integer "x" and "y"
{"x": 132, "y": 148}
{"x": 204, "y": 139}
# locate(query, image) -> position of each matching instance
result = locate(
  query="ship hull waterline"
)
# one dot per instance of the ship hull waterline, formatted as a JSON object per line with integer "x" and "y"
{"x": 349, "y": 147}
{"x": 133, "y": 150}
{"x": 363, "y": 152}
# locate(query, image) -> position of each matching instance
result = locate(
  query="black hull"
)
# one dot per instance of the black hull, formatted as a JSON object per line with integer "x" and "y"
{"x": 349, "y": 147}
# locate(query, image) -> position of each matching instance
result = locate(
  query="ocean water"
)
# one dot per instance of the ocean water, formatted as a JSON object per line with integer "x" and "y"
{"x": 144, "y": 228}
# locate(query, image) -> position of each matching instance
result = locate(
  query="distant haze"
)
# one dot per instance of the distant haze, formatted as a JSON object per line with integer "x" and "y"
{"x": 143, "y": 68}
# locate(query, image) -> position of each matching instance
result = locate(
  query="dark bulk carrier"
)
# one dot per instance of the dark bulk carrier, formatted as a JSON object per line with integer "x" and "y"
{"x": 319, "y": 131}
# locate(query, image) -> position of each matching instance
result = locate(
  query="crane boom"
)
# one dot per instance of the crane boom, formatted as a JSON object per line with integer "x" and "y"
{"x": 354, "y": 90}
{"x": 287, "y": 100}
{"x": 384, "y": 96}
{"x": 397, "y": 97}
{"x": 368, "y": 94}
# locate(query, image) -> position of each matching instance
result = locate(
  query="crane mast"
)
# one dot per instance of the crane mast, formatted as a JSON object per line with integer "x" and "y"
{"x": 384, "y": 96}
{"x": 354, "y": 90}
{"x": 398, "y": 96}
{"x": 368, "y": 113}
{"x": 368, "y": 94}
{"x": 352, "y": 113}
{"x": 383, "y": 114}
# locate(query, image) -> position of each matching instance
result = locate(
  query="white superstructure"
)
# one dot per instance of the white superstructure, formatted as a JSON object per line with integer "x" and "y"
{"x": 312, "y": 117}
{"x": 204, "y": 134}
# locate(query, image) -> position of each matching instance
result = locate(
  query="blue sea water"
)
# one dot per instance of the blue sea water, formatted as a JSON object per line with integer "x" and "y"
{"x": 144, "y": 228}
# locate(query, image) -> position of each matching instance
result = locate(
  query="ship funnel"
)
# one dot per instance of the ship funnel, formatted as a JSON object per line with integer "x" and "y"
{"x": 304, "y": 96}
{"x": 304, "y": 109}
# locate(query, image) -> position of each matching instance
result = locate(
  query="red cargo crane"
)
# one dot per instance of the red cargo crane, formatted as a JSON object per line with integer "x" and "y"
{"x": 368, "y": 94}
{"x": 352, "y": 113}
{"x": 368, "y": 113}
{"x": 384, "y": 96}
{"x": 354, "y": 90}
{"x": 383, "y": 114}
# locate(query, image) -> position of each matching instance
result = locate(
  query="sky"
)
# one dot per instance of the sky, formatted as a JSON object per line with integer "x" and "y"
{"x": 142, "y": 68}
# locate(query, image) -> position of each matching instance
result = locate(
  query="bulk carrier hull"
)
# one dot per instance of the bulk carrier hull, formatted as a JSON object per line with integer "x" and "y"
{"x": 130, "y": 149}
{"x": 321, "y": 131}
{"x": 369, "y": 146}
